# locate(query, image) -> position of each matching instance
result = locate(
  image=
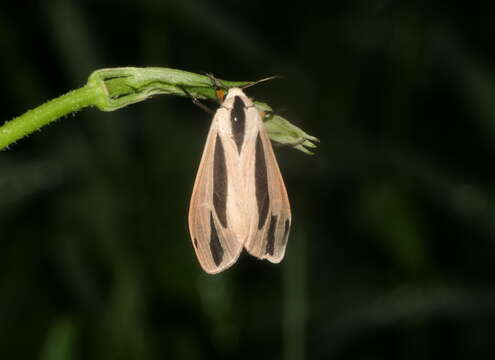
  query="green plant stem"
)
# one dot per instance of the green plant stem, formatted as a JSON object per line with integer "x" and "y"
{"x": 50, "y": 111}
{"x": 115, "y": 88}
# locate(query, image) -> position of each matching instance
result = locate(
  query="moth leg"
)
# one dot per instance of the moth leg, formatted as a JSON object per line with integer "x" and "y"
{"x": 197, "y": 102}
{"x": 202, "y": 106}
{"x": 216, "y": 82}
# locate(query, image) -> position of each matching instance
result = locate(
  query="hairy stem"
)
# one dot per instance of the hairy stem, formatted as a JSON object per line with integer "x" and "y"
{"x": 50, "y": 111}
{"x": 112, "y": 89}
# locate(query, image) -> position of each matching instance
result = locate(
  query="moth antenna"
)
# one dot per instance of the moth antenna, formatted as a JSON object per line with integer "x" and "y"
{"x": 260, "y": 81}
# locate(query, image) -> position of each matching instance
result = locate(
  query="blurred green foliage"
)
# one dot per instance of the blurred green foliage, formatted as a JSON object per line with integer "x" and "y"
{"x": 391, "y": 254}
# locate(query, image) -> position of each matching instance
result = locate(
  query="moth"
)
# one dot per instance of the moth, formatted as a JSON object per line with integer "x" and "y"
{"x": 239, "y": 200}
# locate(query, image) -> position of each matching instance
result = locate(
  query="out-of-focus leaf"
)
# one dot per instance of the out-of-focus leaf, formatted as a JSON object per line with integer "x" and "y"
{"x": 61, "y": 340}
{"x": 390, "y": 215}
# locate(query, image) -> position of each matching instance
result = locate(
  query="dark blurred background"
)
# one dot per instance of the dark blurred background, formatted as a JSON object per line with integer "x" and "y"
{"x": 391, "y": 252}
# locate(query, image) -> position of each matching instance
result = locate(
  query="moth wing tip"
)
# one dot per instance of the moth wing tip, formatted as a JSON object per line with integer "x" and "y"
{"x": 271, "y": 258}
{"x": 275, "y": 259}
{"x": 213, "y": 271}
{"x": 216, "y": 269}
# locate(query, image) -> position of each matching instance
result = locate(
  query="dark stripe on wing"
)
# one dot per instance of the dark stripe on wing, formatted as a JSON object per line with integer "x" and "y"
{"x": 220, "y": 182}
{"x": 215, "y": 246}
{"x": 262, "y": 197}
{"x": 238, "y": 121}
{"x": 286, "y": 231}
{"x": 270, "y": 239}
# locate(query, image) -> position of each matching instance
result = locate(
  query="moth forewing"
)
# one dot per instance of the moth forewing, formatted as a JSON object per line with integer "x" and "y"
{"x": 270, "y": 227}
{"x": 239, "y": 197}
{"x": 235, "y": 155}
{"x": 213, "y": 240}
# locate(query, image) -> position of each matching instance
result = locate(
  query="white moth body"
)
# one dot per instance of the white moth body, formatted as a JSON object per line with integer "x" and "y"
{"x": 239, "y": 198}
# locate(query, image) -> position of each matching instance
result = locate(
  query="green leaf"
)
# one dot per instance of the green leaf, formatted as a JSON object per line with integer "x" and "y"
{"x": 115, "y": 88}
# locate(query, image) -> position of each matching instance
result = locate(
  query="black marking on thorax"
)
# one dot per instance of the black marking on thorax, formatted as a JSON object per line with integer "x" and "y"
{"x": 215, "y": 246}
{"x": 262, "y": 196}
{"x": 220, "y": 182}
{"x": 238, "y": 121}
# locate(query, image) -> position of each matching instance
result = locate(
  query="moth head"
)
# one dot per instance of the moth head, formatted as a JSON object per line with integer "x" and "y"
{"x": 233, "y": 92}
